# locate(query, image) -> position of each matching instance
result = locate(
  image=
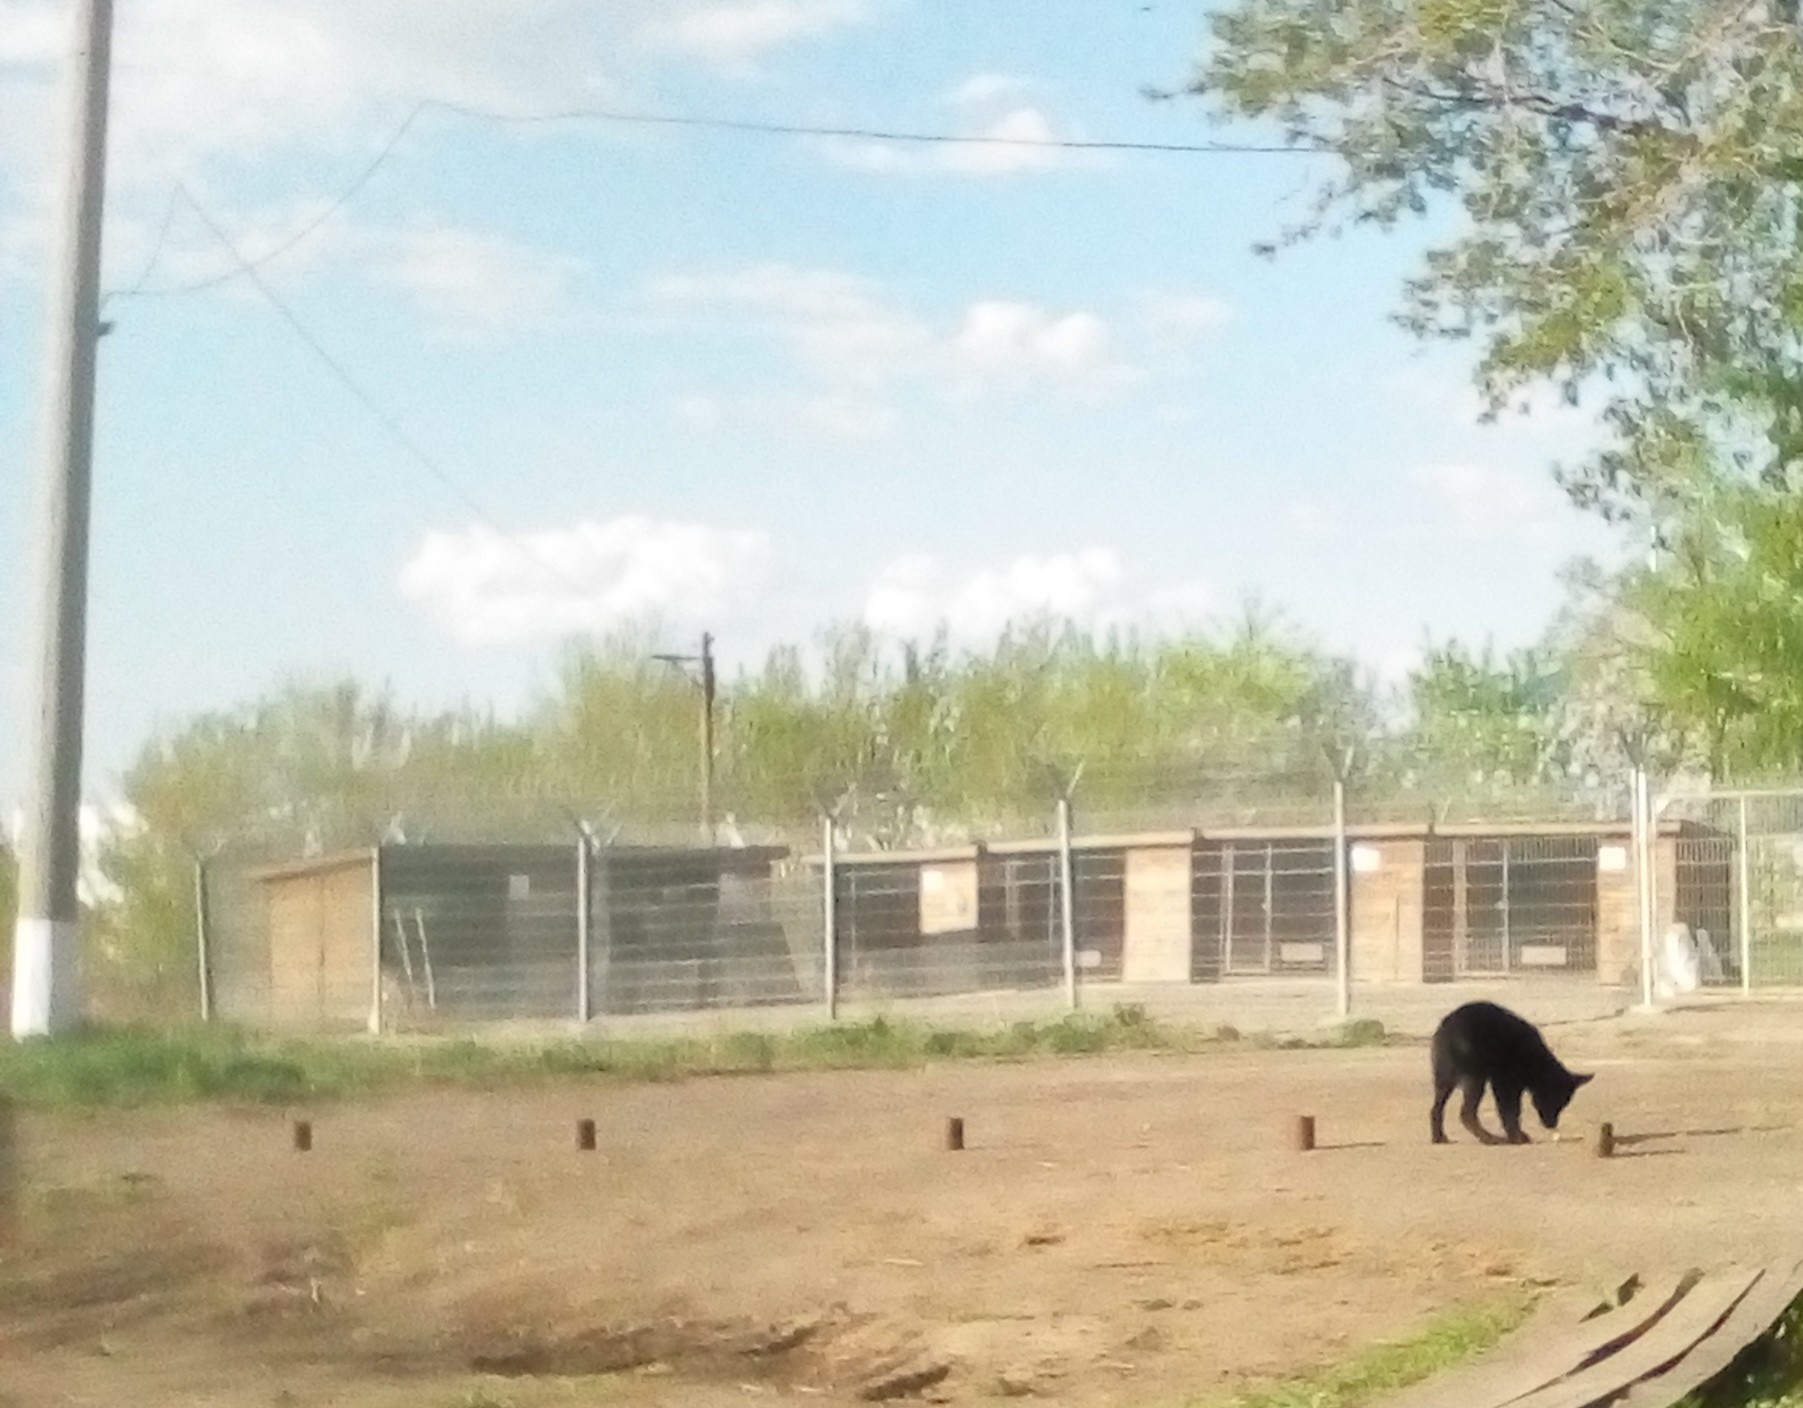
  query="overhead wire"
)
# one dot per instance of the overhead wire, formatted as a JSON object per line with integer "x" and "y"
{"x": 385, "y": 418}
{"x": 246, "y": 266}
{"x": 627, "y": 117}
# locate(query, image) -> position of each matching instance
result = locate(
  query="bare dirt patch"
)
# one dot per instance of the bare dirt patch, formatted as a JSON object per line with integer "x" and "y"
{"x": 1127, "y": 1231}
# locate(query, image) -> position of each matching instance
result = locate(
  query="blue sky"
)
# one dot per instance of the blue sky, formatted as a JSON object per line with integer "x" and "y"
{"x": 740, "y": 383}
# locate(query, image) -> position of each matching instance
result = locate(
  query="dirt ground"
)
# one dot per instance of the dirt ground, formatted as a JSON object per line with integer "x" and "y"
{"x": 1118, "y": 1231}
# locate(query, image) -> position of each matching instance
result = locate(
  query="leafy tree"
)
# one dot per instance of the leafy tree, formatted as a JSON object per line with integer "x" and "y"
{"x": 620, "y": 733}
{"x": 1475, "y": 718}
{"x": 1724, "y": 619}
{"x": 1627, "y": 173}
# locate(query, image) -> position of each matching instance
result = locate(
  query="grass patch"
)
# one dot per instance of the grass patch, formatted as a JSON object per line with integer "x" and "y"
{"x": 1767, "y": 1374}
{"x": 125, "y": 1068}
{"x": 1384, "y": 1369}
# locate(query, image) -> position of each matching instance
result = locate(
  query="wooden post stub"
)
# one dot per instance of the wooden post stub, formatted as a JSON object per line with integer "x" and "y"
{"x": 1305, "y": 1133}
{"x": 303, "y": 1135}
{"x": 585, "y": 1135}
{"x": 954, "y": 1133}
{"x": 1605, "y": 1141}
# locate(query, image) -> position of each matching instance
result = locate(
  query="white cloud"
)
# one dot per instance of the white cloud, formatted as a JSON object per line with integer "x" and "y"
{"x": 1013, "y": 142}
{"x": 1009, "y": 344}
{"x": 488, "y": 589}
{"x": 205, "y": 89}
{"x": 477, "y": 282}
{"x": 732, "y": 34}
{"x": 842, "y": 328}
{"x": 999, "y": 135}
{"x": 1004, "y": 146}
{"x": 31, "y": 32}
{"x": 915, "y": 594}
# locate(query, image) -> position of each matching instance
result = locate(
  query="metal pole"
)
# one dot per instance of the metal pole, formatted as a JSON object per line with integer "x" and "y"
{"x": 45, "y": 960}
{"x": 375, "y": 940}
{"x": 1746, "y": 905}
{"x": 1342, "y": 926}
{"x": 1067, "y": 891}
{"x": 1644, "y": 883}
{"x": 584, "y": 1003}
{"x": 707, "y": 738}
{"x": 830, "y": 879}
{"x": 203, "y": 940}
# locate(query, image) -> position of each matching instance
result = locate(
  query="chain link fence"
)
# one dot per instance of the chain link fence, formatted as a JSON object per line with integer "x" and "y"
{"x": 1737, "y": 888}
{"x": 1293, "y": 909}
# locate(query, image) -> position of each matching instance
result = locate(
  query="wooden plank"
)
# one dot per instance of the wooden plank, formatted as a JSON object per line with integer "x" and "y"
{"x": 1666, "y": 1341}
{"x": 1556, "y": 1349}
{"x": 1156, "y": 942}
{"x": 1757, "y": 1312}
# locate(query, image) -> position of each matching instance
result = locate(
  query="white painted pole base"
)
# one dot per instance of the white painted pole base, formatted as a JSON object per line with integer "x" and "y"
{"x": 44, "y": 977}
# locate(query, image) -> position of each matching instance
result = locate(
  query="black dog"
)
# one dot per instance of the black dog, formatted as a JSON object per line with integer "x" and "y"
{"x": 1482, "y": 1043}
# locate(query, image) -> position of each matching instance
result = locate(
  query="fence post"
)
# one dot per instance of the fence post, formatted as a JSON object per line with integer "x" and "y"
{"x": 830, "y": 886}
{"x": 375, "y": 939}
{"x": 1745, "y": 866}
{"x": 1067, "y": 889}
{"x": 584, "y": 998}
{"x": 1342, "y": 925}
{"x": 203, "y": 940}
{"x": 1643, "y": 881}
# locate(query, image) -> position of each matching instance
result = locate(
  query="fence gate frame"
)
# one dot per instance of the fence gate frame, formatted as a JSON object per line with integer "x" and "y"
{"x": 1737, "y": 799}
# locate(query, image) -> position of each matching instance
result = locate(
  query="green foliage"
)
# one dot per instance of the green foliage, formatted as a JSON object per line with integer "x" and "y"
{"x": 1626, "y": 173}
{"x": 1385, "y": 1369}
{"x": 1767, "y": 1374}
{"x": 1625, "y": 191}
{"x": 1726, "y": 615}
{"x": 1487, "y": 719}
{"x": 130, "y": 1067}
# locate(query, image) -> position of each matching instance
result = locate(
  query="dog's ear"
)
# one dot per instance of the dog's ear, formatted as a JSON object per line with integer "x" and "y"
{"x": 1578, "y": 1080}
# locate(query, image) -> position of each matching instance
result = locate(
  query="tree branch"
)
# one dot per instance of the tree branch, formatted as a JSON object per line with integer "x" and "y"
{"x": 1541, "y": 105}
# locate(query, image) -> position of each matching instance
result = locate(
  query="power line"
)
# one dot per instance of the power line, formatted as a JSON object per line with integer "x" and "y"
{"x": 871, "y": 134}
{"x": 343, "y": 199}
{"x": 626, "y": 117}
{"x": 383, "y": 416}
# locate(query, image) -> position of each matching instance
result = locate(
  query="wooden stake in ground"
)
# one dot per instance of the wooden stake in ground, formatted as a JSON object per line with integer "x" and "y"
{"x": 1305, "y": 1133}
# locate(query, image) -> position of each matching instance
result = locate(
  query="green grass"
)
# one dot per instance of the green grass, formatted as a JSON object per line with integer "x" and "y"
{"x": 124, "y": 1068}
{"x": 1767, "y": 1374}
{"x": 1384, "y": 1369}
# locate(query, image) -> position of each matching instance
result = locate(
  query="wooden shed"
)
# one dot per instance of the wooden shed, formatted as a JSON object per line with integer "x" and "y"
{"x": 415, "y": 933}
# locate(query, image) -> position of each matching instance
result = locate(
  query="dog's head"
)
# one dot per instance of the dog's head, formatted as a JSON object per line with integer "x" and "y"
{"x": 1551, "y": 1099}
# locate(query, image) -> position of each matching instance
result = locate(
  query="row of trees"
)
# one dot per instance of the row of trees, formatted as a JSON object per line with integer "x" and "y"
{"x": 903, "y": 745}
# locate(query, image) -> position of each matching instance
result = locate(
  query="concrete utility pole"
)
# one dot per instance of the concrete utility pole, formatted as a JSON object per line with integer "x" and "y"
{"x": 708, "y": 693}
{"x": 46, "y": 999}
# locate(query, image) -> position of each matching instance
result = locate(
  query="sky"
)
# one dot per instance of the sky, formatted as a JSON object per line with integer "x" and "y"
{"x": 533, "y": 380}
